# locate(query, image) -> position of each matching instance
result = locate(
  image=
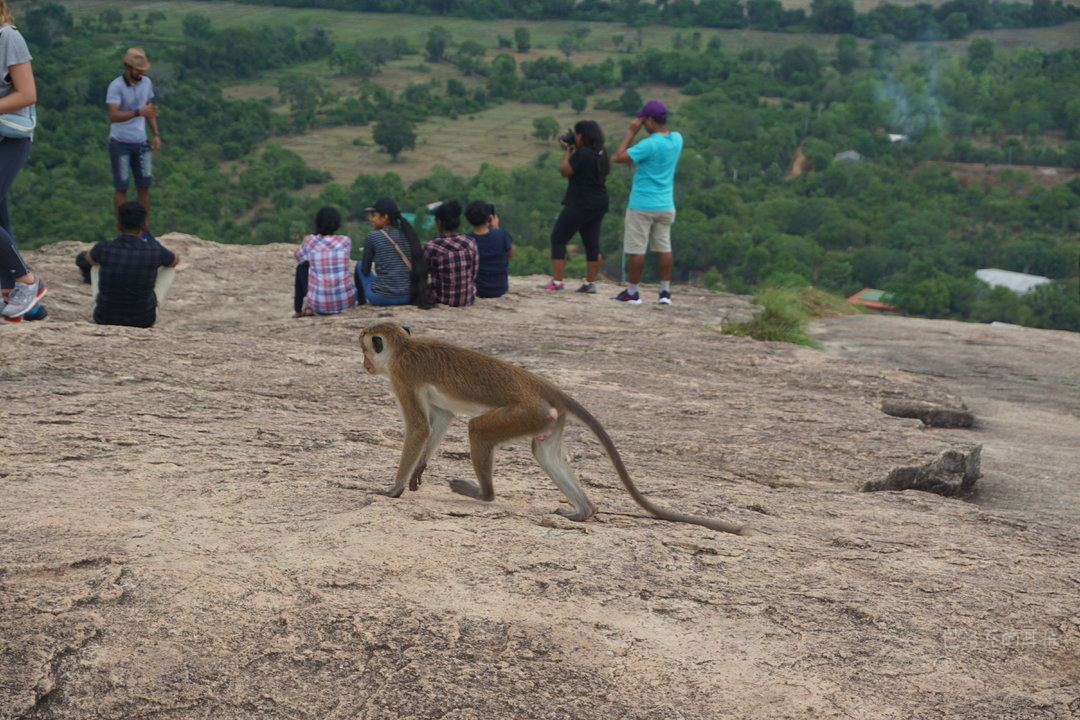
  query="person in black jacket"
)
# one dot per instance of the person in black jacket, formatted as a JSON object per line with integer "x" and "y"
{"x": 586, "y": 164}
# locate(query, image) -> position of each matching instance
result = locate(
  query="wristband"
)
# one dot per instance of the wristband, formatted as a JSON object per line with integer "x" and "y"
{"x": 136, "y": 113}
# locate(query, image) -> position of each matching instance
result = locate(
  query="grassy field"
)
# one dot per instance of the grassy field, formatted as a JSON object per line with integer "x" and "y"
{"x": 500, "y": 136}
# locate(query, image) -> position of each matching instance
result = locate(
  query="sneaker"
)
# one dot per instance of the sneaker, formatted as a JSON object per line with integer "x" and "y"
{"x": 626, "y": 297}
{"x": 665, "y": 297}
{"x": 4, "y": 318}
{"x": 38, "y": 313}
{"x": 23, "y": 298}
{"x": 551, "y": 285}
{"x": 587, "y": 287}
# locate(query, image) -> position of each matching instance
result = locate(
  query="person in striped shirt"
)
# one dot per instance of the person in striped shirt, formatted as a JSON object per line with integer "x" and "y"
{"x": 452, "y": 258}
{"x": 324, "y": 281}
{"x": 391, "y": 259}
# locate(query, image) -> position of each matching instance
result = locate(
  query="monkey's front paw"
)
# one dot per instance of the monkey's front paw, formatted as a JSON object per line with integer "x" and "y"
{"x": 392, "y": 492}
{"x": 417, "y": 479}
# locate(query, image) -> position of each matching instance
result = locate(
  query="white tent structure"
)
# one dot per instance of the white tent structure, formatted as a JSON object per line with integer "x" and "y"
{"x": 1019, "y": 283}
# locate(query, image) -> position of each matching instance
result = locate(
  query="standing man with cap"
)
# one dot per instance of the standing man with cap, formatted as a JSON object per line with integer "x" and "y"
{"x": 650, "y": 211}
{"x": 131, "y": 108}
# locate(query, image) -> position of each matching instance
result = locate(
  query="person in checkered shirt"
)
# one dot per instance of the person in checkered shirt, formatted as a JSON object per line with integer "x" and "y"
{"x": 129, "y": 269}
{"x": 452, "y": 258}
{"x": 324, "y": 280}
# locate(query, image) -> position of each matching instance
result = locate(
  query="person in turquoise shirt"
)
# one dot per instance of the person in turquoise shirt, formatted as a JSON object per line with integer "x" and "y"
{"x": 650, "y": 211}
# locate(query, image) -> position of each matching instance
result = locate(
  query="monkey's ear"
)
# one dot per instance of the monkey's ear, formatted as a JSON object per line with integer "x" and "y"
{"x": 407, "y": 330}
{"x": 377, "y": 343}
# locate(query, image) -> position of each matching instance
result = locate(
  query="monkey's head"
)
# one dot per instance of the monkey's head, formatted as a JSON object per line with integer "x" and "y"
{"x": 379, "y": 342}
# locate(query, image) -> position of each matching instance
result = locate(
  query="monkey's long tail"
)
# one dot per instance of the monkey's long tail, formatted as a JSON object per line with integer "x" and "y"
{"x": 597, "y": 429}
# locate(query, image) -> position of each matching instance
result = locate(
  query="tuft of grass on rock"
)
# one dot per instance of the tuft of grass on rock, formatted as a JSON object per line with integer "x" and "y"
{"x": 788, "y": 310}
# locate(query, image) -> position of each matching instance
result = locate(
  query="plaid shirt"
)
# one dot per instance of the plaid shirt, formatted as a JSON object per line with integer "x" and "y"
{"x": 129, "y": 268}
{"x": 331, "y": 288}
{"x": 453, "y": 261}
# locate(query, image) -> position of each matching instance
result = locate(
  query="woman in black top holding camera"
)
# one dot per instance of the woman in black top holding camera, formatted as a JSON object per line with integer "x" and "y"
{"x": 587, "y": 165}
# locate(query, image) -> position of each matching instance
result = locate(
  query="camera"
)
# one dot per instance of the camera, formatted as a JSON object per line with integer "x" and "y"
{"x": 567, "y": 138}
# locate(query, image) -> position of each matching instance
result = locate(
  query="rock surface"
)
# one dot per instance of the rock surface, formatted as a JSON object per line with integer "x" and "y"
{"x": 952, "y": 473}
{"x": 189, "y": 527}
{"x": 931, "y": 415}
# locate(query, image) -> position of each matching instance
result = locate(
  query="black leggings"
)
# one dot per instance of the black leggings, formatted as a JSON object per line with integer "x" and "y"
{"x": 573, "y": 220}
{"x": 13, "y": 154}
{"x": 300, "y": 286}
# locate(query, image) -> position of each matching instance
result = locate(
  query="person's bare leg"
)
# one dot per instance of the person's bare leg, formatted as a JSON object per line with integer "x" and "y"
{"x": 558, "y": 268}
{"x": 666, "y": 261}
{"x": 144, "y": 200}
{"x": 635, "y": 266}
{"x": 118, "y": 199}
{"x": 592, "y": 267}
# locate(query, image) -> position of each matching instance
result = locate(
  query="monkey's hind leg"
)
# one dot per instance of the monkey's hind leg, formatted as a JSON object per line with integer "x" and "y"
{"x": 487, "y": 431}
{"x": 551, "y": 455}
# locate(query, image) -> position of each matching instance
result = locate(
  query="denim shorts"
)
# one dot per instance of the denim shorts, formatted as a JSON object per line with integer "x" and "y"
{"x": 131, "y": 159}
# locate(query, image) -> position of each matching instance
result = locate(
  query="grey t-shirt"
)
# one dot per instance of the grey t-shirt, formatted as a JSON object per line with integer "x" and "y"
{"x": 129, "y": 96}
{"x": 13, "y": 51}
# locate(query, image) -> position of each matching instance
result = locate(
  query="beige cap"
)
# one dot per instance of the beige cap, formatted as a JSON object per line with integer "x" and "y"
{"x": 136, "y": 58}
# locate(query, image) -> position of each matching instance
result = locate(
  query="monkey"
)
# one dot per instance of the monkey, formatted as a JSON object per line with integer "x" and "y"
{"x": 435, "y": 380}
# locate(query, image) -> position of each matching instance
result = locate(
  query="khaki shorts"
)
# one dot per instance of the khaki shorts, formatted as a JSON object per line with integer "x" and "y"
{"x": 647, "y": 229}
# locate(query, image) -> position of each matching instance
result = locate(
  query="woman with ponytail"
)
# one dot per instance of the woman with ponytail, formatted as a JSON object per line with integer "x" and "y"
{"x": 393, "y": 270}
{"x": 586, "y": 165}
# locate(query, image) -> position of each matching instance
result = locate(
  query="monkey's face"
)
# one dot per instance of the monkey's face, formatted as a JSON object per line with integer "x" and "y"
{"x": 378, "y": 342}
{"x": 368, "y": 343}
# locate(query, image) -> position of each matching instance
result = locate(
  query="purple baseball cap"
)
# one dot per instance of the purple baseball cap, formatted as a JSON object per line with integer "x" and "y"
{"x": 653, "y": 109}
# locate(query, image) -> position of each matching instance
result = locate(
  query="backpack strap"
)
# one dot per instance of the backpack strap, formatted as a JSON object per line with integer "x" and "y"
{"x": 404, "y": 259}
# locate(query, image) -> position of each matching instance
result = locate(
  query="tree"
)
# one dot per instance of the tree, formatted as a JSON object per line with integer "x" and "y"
{"x": 352, "y": 62}
{"x": 764, "y": 14}
{"x": 569, "y": 45}
{"x": 455, "y": 88}
{"x": 153, "y": 18}
{"x": 578, "y": 102}
{"x": 980, "y": 54}
{"x": 630, "y": 101}
{"x": 394, "y": 134}
{"x": 437, "y": 41}
{"x": 832, "y": 16}
{"x": 303, "y": 96}
{"x": 47, "y": 25}
{"x": 955, "y": 25}
{"x": 545, "y": 128}
{"x": 471, "y": 48}
{"x": 847, "y": 54}
{"x": 196, "y": 26}
{"x": 799, "y": 65}
{"x": 522, "y": 39}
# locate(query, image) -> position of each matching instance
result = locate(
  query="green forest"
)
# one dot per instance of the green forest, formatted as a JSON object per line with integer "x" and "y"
{"x": 882, "y": 155}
